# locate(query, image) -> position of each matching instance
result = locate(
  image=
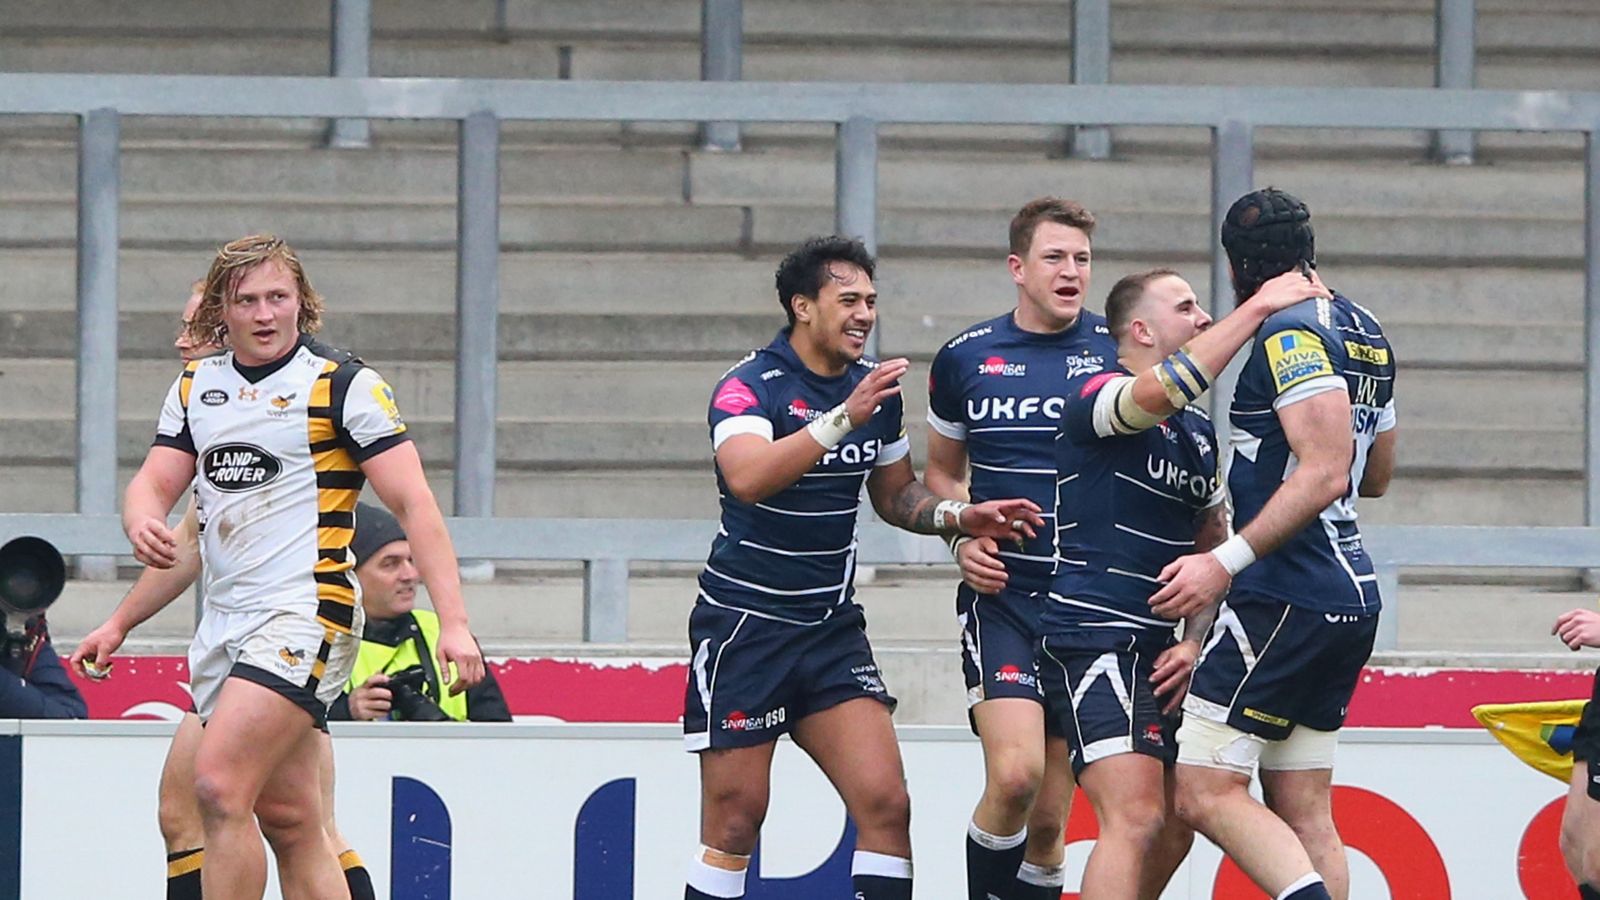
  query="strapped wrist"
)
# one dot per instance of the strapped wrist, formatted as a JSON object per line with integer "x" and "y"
{"x": 831, "y": 427}
{"x": 947, "y": 517}
{"x": 1182, "y": 378}
{"x": 1235, "y": 554}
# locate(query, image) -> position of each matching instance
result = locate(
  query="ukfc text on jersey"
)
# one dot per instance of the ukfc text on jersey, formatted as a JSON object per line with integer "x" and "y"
{"x": 997, "y": 389}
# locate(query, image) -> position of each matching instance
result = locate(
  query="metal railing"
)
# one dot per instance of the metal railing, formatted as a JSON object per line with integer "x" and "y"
{"x": 722, "y": 59}
{"x": 605, "y": 547}
{"x": 856, "y": 110}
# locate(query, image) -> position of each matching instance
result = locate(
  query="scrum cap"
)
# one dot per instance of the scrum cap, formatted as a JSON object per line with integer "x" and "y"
{"x": 1266, "y": 233}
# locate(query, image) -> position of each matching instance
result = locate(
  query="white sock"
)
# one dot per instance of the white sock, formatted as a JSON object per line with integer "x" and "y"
{"x": 995, "y": 841}
{"x": 1305, "y": 881}
{"x": 1043, "y": 876}
{"x": 880, "y": 865}
{"x": 717, "y": 882}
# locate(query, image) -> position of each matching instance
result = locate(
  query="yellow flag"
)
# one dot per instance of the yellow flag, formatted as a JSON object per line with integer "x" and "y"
{"x": 1540, "y": 734}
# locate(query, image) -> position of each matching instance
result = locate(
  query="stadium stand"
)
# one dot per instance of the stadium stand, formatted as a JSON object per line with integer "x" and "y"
{"x": 636, "y": 267}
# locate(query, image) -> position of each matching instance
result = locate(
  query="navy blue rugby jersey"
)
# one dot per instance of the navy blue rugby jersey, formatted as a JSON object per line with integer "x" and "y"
{"x": 999, "y": 389}
{"x": 1127, "y": 505}
{"x": 792, "y": 555}
{"x": 1299, "y": 352}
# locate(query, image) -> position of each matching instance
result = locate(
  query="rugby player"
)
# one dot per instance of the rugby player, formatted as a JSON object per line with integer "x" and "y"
{"x": 178, "y": 813}
{"x": 1313, "y": 426}
{"x": 994, "y": 399}
{"x": 777, "y": 644}
{"x": 1138, "y": 484}
{"x": 282, "y": 431}
{"x": 1580, "y": 821}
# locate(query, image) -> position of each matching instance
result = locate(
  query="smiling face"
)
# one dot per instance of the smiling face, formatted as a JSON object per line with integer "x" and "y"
{"x": 835, "y": 323}
{"x": 261, "y": 314}
{"x": 1052, "y": 277}
{"x": 388, "y": 581}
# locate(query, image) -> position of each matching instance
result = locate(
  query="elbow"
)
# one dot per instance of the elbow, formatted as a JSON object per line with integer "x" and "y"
{"x": 746, "y": 490}
{"x": 1335, "y": 484}
{"x": 1374, "y": 487}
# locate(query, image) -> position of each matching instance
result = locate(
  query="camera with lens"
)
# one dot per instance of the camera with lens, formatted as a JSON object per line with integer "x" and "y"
{"x": 410, "y": 703}
{"x": 32, "y": 574}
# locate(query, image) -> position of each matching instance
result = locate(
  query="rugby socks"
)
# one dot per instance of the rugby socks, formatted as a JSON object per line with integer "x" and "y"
{"x": 879, "y": 876}
{"x": 709, "y": 882}
{"x": 356, "y": 876}
{"x": 1586, "y": 892}
{"x": 183, "y": 874}
{"x": 1039, "y": 882}
{"x": 1309, "y": 887}
{"x": 992, "y": 861}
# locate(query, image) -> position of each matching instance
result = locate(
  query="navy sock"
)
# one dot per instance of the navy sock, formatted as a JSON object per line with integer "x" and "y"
{"x": 879, "y": 876}
{"x": 1315, "y": 891}
{"x": 992, "y": 862}
{"x": 1035, "y": 882}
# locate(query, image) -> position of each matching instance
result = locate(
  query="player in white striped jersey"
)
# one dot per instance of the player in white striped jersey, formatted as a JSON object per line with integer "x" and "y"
{"x": 283, "y": 431}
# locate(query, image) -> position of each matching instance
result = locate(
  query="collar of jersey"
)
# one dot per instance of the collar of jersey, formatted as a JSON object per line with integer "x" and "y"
{"x": 1009, "y": 322}
{"x": 780, "y": 345}
{"x": 254, "y": 374}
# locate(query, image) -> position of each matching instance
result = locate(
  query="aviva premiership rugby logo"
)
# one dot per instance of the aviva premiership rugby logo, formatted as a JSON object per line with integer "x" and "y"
{"x": 236, "y": 468}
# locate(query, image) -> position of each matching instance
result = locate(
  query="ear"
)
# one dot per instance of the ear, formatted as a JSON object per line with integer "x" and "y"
{"x": 1139, "y": 330}
{"x": 802, "y": 306}
{"x": 1014, "y": 263}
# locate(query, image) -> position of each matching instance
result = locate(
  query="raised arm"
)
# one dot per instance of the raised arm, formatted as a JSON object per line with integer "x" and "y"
{"x": 755, "y": 466}
{"x": 1130, "y": 404}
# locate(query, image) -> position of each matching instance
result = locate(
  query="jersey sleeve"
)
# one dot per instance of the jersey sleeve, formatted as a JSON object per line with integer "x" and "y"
{"x": 738, "y": 406}
{"x": 370, "y": 421}
{"x": 896, "y": 444}
{"x": 172, "y": 429}
{"x": 1386, "y": 418}
{"x": 1301, "y": 355}
{"x": 1084, "y": 418}
{"x": 944, "y": 397}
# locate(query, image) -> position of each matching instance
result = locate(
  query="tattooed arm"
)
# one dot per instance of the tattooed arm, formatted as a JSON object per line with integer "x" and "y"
{"x": 903, "y": 501}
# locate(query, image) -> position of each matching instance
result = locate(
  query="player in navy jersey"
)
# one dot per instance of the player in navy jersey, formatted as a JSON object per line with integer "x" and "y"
{"x": 1312, "y": 427}
{"x": 1139, "y": 484}
{"x": 777, "y": 643}
{"x": 1580, "y": 820}
{"x": 994, "y": 399}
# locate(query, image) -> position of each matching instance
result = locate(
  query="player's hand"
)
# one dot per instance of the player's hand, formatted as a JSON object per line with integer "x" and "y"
{"x": 153, "y": 544}
{"x": 1578, "y": 628}
{"x": 97, "y": 647}
{"x": 1290, "y": 288}
{"x": 1172, "y": 671}
{"x": 1189, "y": 584}
{"x": 980, "y": 563}
{"x": 457, "y": 646}
{"x": 880, "y": 384}
{"x": 1006, "y": 520}
{"x": 372, "y": 699}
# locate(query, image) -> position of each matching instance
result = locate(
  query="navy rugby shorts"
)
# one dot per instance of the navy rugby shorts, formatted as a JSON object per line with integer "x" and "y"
{"x": 1269, "y": 666}
{"x": 1103, "y": 701}
{"x": 752, "y": 678}
{"x": 999, "y": 640}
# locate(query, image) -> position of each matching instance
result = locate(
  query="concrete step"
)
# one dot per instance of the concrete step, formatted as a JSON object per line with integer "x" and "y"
{"x": 951, "y": 292}
{"x": 678, "y": 391}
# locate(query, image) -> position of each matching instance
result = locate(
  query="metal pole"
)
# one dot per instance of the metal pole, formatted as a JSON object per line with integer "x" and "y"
{"x": 605, "y": 601}
{"x": 351, "y": 53}
{"x": 99, "y": 189}
{"x": 1455, "y": 66}
{"x": 855, "y": 191}
{"x": 1232, "y": 175}
{"x": 721, "y": 59}
{"x": 477, "y": 312}
{"x": 1091, "y": 64}
{"x": 1591, "y": 328}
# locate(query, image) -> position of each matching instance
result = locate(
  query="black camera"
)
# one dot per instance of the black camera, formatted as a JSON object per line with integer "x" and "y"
{"x": 410, "y": 702}
{"x": 32, "y": 574}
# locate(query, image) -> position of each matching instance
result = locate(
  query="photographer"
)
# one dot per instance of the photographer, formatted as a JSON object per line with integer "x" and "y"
{"x": 32, "y": 574}
{"x": 395, "y": 676}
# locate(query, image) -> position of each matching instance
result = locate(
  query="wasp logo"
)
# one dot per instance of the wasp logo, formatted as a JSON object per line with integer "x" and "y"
{"x": 283, "y": 402}
{"x": 291, "y": 658}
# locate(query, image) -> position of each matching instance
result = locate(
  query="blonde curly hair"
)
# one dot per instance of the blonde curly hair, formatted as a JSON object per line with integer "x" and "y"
{"x": 234, "y": 260}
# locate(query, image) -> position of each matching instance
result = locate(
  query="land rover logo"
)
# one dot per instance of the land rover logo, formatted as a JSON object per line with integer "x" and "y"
{"x": 236, "y": 468}
{"x": 214, "y": 397}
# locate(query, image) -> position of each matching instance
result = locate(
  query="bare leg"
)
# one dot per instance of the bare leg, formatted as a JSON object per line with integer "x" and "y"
{"x": 1303, "y": 798}
{"x": 1129, "y": 800}
{"x": 178, "y": 812}
{"x": 1217, "y": 803}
